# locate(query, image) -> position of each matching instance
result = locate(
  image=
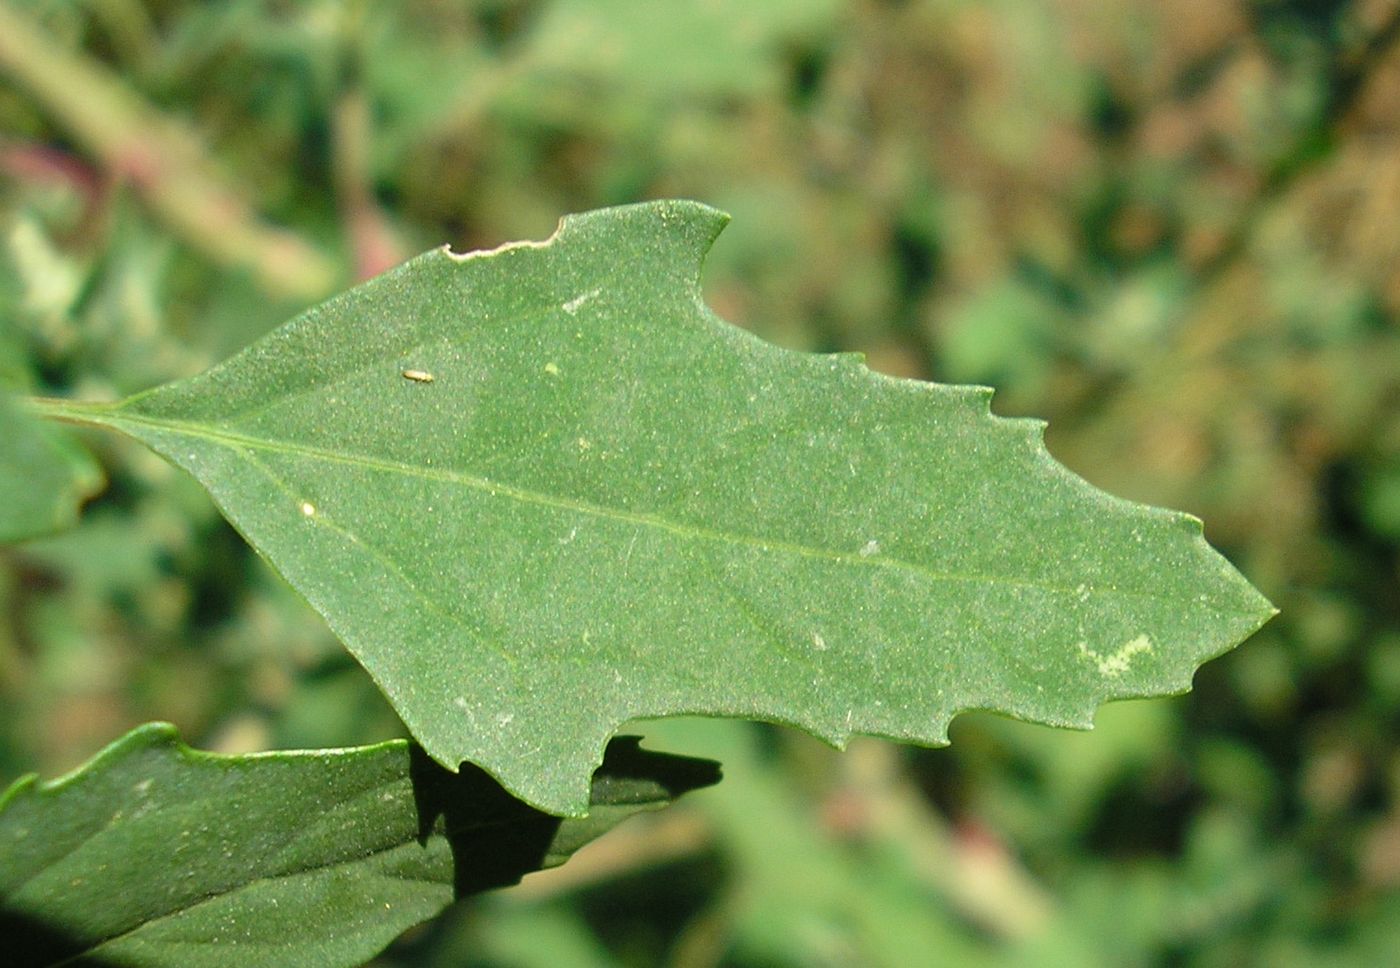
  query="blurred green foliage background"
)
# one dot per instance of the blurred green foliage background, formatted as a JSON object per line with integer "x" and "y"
{"x": 1171, "y": 227}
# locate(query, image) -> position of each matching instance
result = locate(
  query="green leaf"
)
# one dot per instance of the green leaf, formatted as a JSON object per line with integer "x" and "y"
{"x": 44, "y": 476}
{"x": 666, "y": 51}
{"x": 154, "y": 854}
{"x": 542, "y": 490}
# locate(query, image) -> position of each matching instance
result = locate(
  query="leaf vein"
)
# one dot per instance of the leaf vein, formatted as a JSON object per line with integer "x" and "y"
{"x": 236, "y": 440}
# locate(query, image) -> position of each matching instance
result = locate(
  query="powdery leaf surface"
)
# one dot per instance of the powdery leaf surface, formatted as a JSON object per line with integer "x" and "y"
{"x": 543, "y": 490}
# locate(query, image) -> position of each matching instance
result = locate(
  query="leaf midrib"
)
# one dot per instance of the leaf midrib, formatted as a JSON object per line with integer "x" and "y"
{"x": 235, "y": 440}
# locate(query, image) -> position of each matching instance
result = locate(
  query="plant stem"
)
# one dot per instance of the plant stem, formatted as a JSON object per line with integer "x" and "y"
{"x": 67, "y": 411}
{"x": 372, "y": 239}
{"x": 161, "y": 158}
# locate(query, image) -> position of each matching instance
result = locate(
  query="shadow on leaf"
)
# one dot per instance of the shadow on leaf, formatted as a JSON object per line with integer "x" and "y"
{"x": 289, "y": 858}
{"x": 496, "y": 839}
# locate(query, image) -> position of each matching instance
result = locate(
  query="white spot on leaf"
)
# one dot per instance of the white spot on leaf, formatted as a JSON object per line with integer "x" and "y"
{"x": 573, "y": 305}
{"x": 307, "y": 508}
{"x": 1116, "y": 663}
{"x": 872, "y": 547}
{"x": 552, "y": 368}
{"x": 418, "y": 376}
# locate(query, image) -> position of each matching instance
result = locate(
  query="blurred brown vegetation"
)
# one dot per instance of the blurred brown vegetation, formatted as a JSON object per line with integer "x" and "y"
{"x": 1172, "y": 228}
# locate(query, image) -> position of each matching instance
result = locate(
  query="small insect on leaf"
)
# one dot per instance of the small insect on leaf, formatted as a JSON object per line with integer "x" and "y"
{"x": 418, "y": 376}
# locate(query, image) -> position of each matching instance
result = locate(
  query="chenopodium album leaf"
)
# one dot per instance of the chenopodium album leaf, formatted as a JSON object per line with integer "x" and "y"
{"x": 542, "y": 490}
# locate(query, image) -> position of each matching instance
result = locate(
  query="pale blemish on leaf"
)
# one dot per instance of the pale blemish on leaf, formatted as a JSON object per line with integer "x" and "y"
{"x": 552, "y": 368}
{"x": 1116, "y": 663}
{"x": 504, "y": 247}
{"x": 308, "y": 509}
{"x": 575, "y": 304}
{"x": 418, "y": 376}
{"x": 871, "y": 547}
